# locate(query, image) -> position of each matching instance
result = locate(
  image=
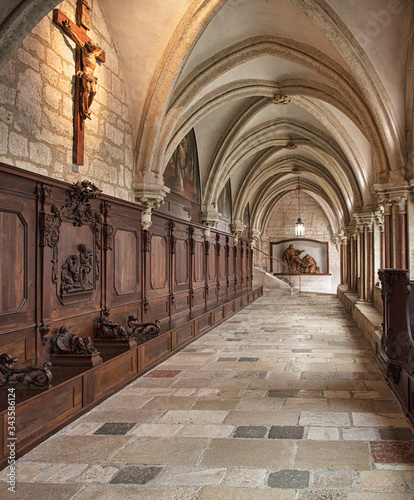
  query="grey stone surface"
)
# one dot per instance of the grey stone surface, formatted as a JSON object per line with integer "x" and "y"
{"x": 286, "y": 432}
{"x": 250, "y": 431}
{"x": 133, "y": 474}
{"x": 115, "y": 428}
{"x": 289, "y": 479}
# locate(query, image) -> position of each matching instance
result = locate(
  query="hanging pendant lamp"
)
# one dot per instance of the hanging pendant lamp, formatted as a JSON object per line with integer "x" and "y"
{"x": 299, "y": 225}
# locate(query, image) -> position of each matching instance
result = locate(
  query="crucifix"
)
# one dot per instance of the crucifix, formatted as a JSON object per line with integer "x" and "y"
{"x": 87, "y": 53}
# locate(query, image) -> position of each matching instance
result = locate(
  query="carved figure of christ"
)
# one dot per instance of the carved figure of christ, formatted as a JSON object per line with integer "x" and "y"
{"x": 87, "y": 54}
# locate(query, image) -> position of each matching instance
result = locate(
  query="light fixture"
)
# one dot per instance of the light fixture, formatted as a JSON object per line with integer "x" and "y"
{"x": 299, "y": 225}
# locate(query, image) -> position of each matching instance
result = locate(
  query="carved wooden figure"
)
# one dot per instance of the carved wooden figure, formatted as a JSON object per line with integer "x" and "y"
{"x": 87, "y": 53}
{"x": 33, "y": 377}
{"x": 71, "y": 350}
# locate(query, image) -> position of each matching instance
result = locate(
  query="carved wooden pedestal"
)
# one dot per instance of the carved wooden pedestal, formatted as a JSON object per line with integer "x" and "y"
{"x": 76, "y": 359}
{"x": 114, "y": 344}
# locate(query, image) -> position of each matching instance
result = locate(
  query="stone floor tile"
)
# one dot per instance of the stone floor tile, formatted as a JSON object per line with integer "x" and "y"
{"x": 286, "y": 432}
{"x": 374, "y": 420}
{"x": 289, "y": 479}
{"x": 250, "y": 432}
{"x": 381, "y": 481}
{"x": 136, "y": 416}
{"x": 321, "y": 495}
{"x": 327, "y": 480}
{"x": 207, "y": 431}
{"x": 323, "y": 434}
{"x": 262, "y": 418}
{"x": 324, "y": 419}
{"x": 337, "y": 394}
{"x": 98, "y": 474}
{"x": 378, "y": 496}
{"x": 198, "y": 417}
{"x": 163, "y": 373}
{"x": 25, "y": 471}
{"x": 126, "y": 401}
{"x": 114, "y": 428}
{"x": 162, "y": 451}
{"x": 245, "y": 478}
{"x": 359, "y": 434}
{"x": 249, "y": 453}
{"x": 352, "y": 405}
{"x": 169, "y": 403}
{"x": 80, "y": 428}
{"x": 133, "y": 492}
{"x": 228, "y": 493}
{"x": 61, "y": 473}
{"x": 395, "y": 434}
{"x": 136, "y": 474}
{"x": 82, "y": 449}
{"x": 309, "y": 404}
{"x": 41, "y": 491}
{"x": 393, "y": 452}
{"x": 156, "y": 430}
{"x": 191, "y": 476}
{"x": 333, "y": 455}
{"x": 219, "y": 403}
{"x": 386, "y": 406}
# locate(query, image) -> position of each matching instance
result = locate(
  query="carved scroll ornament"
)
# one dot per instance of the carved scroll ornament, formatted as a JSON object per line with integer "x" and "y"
{"x": 32, "y": 377}
{"x": 109, "y": 330}
{"x": 146, "y": 329}
{"x": 67, "y": 343}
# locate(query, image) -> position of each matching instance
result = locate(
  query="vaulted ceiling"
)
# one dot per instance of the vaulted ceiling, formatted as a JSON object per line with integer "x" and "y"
{"x": 271, "y": 87}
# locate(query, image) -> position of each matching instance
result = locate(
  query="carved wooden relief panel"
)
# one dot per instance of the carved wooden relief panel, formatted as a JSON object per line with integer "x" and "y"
{"x": 199, "y": 262}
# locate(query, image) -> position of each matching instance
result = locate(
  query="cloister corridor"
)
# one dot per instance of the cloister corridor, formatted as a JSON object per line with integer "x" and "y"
{"x": 282, "y": 401}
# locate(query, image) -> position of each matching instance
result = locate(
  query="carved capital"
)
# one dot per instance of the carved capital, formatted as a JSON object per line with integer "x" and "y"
{"x": 279, "y": 99}
{"x": 151, "y": 196}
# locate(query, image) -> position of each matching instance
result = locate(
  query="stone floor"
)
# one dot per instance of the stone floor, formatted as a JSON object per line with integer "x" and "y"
{"x": 283, "y": 401}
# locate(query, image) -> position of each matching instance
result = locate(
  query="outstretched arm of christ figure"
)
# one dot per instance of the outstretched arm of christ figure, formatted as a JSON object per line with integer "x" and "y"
{"x": 74, "y": 36}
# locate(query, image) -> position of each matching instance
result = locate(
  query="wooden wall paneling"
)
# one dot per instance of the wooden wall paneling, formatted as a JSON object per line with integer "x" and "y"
{"x": 123, "y": 257}
{"x": 245, "y": 262}
{"x": 158, "y": 271}
{"x": 211, "y": 269}
{"x": 21, "y": 345}
{"x": 49, "y": 409}
{"x": 199, "y": 270}
{"x": 71, "y": 228}
{"x": 108, "y": 377}
{"x": 221, "y": 266}
{"x": 182, "y": 335}
{"x": 152, "y": 352}
{"x": 17, "y": 257}
{"x": 181, "y": 268}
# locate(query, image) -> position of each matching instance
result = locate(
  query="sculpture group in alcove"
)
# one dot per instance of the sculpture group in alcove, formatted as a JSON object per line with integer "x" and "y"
{"x": 296, "y": 265}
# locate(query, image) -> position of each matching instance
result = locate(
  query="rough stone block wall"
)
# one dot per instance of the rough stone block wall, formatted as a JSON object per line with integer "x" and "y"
{"x": 281, "y": 225}
{"x": 36, "y": 109}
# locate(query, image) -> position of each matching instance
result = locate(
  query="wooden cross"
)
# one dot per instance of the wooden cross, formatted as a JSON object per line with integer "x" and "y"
{"x": 87, "y": 52}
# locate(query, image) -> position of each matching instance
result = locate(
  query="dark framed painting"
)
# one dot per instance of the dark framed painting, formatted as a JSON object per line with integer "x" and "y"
{"x": 182, "y": 174}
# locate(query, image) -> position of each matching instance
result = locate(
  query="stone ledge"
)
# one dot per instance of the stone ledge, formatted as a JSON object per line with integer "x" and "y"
{"x": 365, "y": 314}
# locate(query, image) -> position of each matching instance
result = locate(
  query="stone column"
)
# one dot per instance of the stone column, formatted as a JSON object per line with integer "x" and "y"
{"x": 365, "y": 223}
{"x": 394, "y": 200}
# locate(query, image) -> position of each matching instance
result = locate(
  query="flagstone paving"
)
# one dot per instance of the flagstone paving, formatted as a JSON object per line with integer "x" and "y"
{"x": 283, "y": 401}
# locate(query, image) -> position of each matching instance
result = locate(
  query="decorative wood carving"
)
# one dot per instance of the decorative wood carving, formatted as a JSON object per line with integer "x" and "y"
{"x": 172, "y": 298}
{"x": 144, "y": 331}
{"x": 76, "y": 270}
{"x": 78, "y": 207}
{"x": 389, "y": 281}
{"x": 32, "y": 377}
{"x": 192, "y": 293}
{"x": 147, "y": 236}
{"x": 191, "y": 231}
{"x": 173, "y": 239}
{"x": 218, "y": 246}
{"x": 67, "y": 343}
{"x": 394, "y": 373}
{"x": 44, "y": 333}
{"x": 49, "y": 235}
{"x": 108, "y": 330}
{"x": 146, "y": 305}
{"x": 207, "y": 247}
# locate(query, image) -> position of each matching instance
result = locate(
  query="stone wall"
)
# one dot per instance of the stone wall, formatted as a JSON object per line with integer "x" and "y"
{"x": 36, "y": 109}
{"x": 281, "y": 224}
